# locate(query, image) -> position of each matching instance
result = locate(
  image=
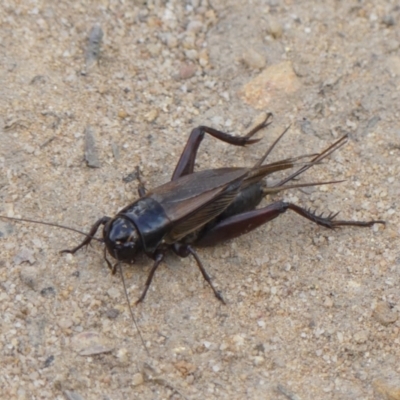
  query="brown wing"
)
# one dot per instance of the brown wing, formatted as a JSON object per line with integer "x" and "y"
{"x": 193, "y": 200}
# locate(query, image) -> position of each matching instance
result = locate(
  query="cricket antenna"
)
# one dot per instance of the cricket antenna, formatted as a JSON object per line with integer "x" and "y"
{"x": 118, "y": 265}
{"x": 49, "y": 224}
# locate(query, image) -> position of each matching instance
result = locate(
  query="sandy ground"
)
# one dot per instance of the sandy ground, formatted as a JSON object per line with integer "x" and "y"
{"x": 311, "y": 313}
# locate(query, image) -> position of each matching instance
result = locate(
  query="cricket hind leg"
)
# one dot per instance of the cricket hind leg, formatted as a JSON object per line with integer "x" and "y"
{"x": 186, "y": 162}
{"x": 240, "y": 224}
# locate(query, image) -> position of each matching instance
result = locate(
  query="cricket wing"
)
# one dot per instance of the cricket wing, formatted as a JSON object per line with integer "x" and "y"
{"x": 193, "y": 200}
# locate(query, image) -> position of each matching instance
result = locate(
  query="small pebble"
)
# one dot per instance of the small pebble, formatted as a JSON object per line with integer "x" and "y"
{"x": 123, "y": 355}
{"x": 122, "y": 114}
{"x": 194, "y": 26}
{"x": 28, "y": 276}
{"x": 172, "y": 41}
{"x": 238, "y": 340}
{"x": 278, "y": 81}
{"x": 154, "y": 49}
{"x": 217, "y": 120}
{"x": 258, "y": 360}
{"x": 328, "y": 302}
{"x": 65, "y": 323}
{"x": 224, "y": 346}
{"x": 388, "y": 20}
{"x": 113, "y": 293}
{"x": 49, "y": 360}
{"x": 48, "y": 291}
{"x": 70, "y": 395}
{"x": 151, "y": 115}
{"x": 274, "y": 28}
{"x": 384, "y": 314}
{"x": 94, "y": 45}
{"x": 307, "y": 128}
{"x": 137, "y": 379}
{"x": 393, "y": 65}
{"x": 91, "y": 154}
{"x": 112, "y": 313}
{"x": 361, "y": 337}
{"x": 184, "y": 367}
{"x": 186, "y": 71}
{"x": 216, "y": 368}
{"x": 115, "y": 150}
{"x": 192, "y": 54}
{"x": 5, "y": 229}
{"x": 254, "y": 59}
{"x": 261, "y": 324}
{"x": 203, "y": 57}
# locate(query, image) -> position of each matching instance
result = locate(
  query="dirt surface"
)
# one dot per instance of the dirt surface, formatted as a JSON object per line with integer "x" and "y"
{"x": 311, "y": 313}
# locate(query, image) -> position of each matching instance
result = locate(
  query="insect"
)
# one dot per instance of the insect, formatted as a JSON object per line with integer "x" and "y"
{"x": 200, "y": 209}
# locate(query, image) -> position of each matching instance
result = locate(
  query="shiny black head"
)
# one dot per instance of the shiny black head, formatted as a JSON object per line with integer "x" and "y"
{"x": 122, "y": 239}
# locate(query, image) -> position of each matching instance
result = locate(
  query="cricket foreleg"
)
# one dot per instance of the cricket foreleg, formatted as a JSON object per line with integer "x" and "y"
{"x": 90, "y": 235}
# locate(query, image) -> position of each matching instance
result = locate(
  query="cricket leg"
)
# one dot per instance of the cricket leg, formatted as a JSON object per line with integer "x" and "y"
{"x": 186, "y": 162}
{"x": 90, "y": 236}
{"x": 141, "y": 187}
{"x": 157, "y": 261}
{"x": 184, "y": 250}
{"x": 240, "y": 224}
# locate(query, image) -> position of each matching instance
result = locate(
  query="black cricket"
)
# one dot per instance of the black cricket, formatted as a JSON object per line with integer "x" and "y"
{"x": 203, "y": 208}
{"x": 200, "y": 209}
